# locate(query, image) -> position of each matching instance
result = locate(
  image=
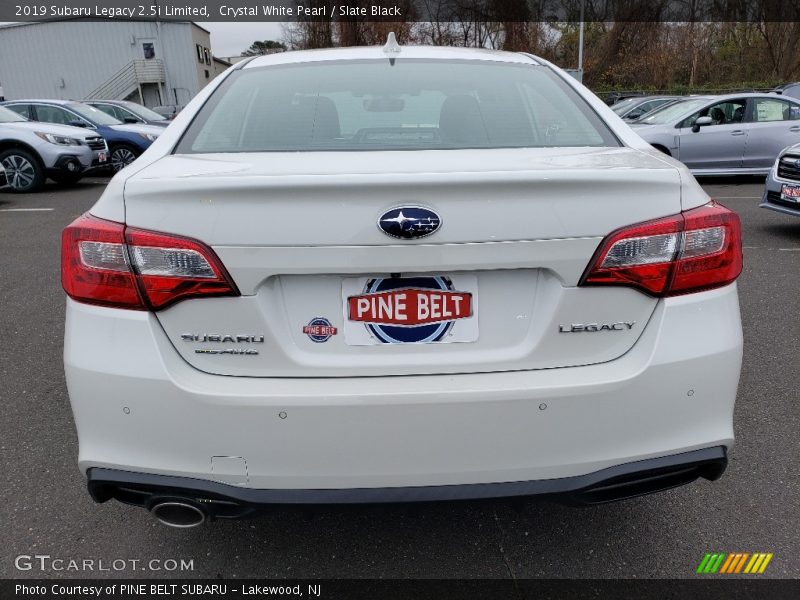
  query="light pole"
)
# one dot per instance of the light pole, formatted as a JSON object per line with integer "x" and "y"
{"x": 580, "y": 43}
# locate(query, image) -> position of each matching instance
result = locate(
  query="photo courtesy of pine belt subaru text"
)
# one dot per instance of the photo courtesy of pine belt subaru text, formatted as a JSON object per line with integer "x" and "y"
{"x": 393, "y": 274}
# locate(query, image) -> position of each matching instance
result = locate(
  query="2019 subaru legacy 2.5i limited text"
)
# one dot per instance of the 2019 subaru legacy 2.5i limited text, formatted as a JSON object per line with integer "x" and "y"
{"x": 366, "y": 274}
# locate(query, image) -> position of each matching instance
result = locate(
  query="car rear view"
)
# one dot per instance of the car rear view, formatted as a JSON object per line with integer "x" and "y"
{"x": 373, "y": 274}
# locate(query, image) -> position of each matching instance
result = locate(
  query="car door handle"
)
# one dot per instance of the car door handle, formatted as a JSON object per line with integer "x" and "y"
{"x": 796, "y": 128}
{"x": 737, "y": 132}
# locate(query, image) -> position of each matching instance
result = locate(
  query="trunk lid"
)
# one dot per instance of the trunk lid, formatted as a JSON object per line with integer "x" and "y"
{"x": 299, "y": 235}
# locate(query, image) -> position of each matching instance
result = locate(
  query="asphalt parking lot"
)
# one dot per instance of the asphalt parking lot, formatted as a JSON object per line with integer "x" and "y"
{"x": 45, "y": 510}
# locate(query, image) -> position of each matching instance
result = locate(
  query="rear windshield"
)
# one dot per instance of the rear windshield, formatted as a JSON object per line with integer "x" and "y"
{"x": 411, "y": 105}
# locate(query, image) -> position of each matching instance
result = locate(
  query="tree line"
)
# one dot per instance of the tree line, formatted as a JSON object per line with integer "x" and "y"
{"x": 637, "y": 50}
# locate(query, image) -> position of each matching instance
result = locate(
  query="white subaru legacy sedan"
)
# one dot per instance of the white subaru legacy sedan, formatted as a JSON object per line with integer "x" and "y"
{"x": 399, "y": 274}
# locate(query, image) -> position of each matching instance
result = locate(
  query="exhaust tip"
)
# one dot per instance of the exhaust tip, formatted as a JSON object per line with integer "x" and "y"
{"x": 178, "y": 514}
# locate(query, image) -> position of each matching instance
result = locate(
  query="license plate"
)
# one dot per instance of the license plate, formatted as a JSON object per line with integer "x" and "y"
{"x": 410, "y": 310}
{"x": 102, "y": 157}
{"x": 790, "y": 193}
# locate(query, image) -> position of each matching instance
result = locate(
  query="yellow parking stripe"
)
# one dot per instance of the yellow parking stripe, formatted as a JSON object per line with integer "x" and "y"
{"x": 765, "y": 563}
{"x": 755, "y": 563}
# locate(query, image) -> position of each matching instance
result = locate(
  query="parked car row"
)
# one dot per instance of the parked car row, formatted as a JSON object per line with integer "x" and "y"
{"x": 734, "y": 134}
{"x": 63, "y": 140}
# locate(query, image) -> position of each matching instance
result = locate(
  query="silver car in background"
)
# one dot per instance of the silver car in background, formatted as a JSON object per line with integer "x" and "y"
{"x": 782, "y": 192}
{"x": 30, "y": 152}
{"x": 735, "y": 134}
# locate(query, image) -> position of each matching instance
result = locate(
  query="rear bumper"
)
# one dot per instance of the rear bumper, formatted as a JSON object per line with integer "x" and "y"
{"x": 227, "y": 501}
{"x": 140, "y": 408}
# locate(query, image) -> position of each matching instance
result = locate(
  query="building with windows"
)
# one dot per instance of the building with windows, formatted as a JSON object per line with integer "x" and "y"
{"x": 153, "y": 63}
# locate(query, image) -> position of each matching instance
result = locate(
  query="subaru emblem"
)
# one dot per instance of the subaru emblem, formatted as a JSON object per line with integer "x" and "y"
{"x": 797, "y": 163}
{"x": 409, "y": 222}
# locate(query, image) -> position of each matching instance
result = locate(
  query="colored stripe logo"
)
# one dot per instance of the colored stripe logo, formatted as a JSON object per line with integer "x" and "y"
{"x": 734, "y": 562}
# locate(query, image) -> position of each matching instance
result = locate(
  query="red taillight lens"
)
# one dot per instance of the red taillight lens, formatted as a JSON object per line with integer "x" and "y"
{"x": 105, "y": 263}
{"x": 94, "y": 267}
{"x": 696, "y": 250}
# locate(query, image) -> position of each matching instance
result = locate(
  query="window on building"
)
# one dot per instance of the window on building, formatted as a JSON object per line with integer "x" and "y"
{"x": 207, "y": 74}
{"x": 207, "y": 56}
{"x": 149, "y": 50}
{"x": 199, "y": 49}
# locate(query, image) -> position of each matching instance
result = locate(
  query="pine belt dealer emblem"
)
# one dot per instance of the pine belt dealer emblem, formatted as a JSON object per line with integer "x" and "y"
{"x": 319, "y": 330}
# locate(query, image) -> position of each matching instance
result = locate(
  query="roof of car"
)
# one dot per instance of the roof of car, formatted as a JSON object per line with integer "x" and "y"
{"x": 376, "y": 52}
{"x": 739, "y": 95}
{"x": 42, "y": 101}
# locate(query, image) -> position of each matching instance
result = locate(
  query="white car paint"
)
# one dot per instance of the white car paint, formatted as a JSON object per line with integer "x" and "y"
{"x": 525, "y": 402}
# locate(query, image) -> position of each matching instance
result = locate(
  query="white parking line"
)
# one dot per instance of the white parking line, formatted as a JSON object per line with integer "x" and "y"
{"x": 788, "y": 249}
{"x": 25, "y": 209}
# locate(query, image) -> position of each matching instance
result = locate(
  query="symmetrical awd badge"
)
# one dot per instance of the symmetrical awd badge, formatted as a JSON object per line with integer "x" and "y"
{"x": 409, "y": 222}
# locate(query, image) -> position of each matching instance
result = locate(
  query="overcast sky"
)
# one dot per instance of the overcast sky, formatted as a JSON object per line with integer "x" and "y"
{"x": 230, "y": 39}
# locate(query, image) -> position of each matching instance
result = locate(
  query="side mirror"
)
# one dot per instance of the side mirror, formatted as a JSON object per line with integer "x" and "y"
{"x": 77, "y": 123}
{"x": 701, "y": 122}
{"x": 130, "y": 120}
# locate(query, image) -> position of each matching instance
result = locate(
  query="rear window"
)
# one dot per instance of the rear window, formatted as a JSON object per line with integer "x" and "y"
{"x": 411, "y": 105}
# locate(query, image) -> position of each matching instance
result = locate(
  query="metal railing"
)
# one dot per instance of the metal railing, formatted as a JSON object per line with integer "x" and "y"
{"x": 129, "y": 78}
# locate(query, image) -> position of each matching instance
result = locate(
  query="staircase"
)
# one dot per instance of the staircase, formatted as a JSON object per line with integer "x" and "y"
{"x": 129, "y": 79}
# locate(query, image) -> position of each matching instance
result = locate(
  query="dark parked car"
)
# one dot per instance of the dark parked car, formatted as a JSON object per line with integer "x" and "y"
{"x": 615, "y": 97}
{"x": 790, "y": 89}
{"x": 129, "y": 112}
{"x": 169, "y": 111}
{"x": 125, "y": 141}
{"x": 631, "y": 109}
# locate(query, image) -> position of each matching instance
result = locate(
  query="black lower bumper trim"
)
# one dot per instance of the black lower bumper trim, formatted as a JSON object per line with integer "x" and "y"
{"x": 227, "y": 501}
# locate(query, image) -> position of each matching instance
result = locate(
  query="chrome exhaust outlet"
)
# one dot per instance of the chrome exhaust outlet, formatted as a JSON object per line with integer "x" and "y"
{"x": 178, "y": 514}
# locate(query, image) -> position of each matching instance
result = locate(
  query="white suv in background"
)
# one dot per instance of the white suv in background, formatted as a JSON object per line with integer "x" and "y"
{"x": 399, "y": 274}
{"x": 32, "y": 151}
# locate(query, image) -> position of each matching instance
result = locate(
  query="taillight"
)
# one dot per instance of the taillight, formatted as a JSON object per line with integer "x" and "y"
{"x": 696, "y": 250}
{"x": 106, "y": 263}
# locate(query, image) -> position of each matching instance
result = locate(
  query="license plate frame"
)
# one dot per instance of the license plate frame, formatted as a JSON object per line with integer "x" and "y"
{"x": 454, "y": 296}
{"x": 793, "y": 194}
